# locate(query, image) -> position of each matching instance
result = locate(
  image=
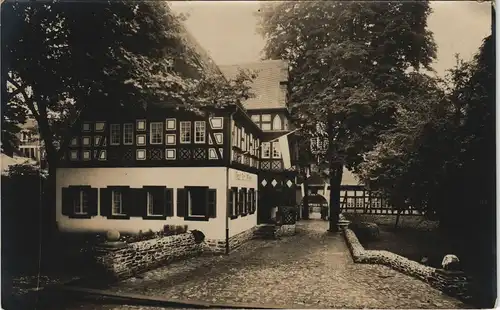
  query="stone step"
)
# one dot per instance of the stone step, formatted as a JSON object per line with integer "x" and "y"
{"x": 265, "y": 231}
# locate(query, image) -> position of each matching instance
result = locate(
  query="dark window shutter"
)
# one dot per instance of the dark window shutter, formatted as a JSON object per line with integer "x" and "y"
{"x": 181, "y": 202}
{"x": 250, "y": 200}
{"x": 158, "y": 193}
{"x": 212, "y": 203}
{"x": 92, "y": 192}
{"x": 169, "y": 202}
{"x": 136, "y": 204}
{"x": 244, "y": 197}
{"x": 255, "y": 201}
{"x": 236, "y": 201}
{"x": 67, "y": 200}
{"x": 230, "y": 203}
{"x": 240, "y": 202}
{"x": 105, "y": 205}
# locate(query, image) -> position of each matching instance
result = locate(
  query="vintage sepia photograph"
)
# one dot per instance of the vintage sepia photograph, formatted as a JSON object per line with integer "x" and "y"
{"x": 248, "y": 154}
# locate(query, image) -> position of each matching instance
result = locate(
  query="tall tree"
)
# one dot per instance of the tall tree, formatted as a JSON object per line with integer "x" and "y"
{"x": 61, "y": 59}
{"x": 349, "y": 67}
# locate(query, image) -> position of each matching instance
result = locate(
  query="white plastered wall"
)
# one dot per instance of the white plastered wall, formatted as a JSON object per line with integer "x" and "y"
{"x": 242, "y": 179}
{"x": 171, "y": 177}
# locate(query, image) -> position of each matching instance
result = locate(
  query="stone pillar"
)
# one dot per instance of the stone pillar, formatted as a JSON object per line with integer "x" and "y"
{"x": 453, "y": 283}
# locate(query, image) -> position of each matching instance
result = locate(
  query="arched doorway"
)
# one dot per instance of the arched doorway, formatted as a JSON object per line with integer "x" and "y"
{"x": 317, "y": 203}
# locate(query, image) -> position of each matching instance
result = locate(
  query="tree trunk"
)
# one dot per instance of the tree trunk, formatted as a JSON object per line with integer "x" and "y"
{"x": 335, "y": 181}
{"x": 48, "y": 214}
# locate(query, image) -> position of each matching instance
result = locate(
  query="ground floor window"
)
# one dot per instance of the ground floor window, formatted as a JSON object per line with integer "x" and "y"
{"x": 117, "y": 202}
{"x": 196, "y": 203}
{"x": 158, "y": 201}
{"x": 79, "y": 201}
{"x": 233, "y": 202}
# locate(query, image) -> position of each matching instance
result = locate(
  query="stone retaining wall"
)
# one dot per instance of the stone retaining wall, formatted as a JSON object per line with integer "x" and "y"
{"x": 215, "y": 246}
{"x": 285, "y": 230}
{"x": 127, "y": 259}
{"x": 454, "y": 283}
{"x": 237, "y": 240}
{"x": 408, "y": 221}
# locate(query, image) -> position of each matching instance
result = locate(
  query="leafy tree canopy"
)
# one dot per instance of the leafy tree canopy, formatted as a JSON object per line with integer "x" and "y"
{"x": 61, "y": 58}
{"x": 350, "y": 63}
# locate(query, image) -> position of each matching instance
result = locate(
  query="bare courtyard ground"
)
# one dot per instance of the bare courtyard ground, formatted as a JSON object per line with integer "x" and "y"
{"x": 310, "y": 270}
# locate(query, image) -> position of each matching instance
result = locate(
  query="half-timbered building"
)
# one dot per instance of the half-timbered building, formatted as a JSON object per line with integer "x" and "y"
{"x": 213, "y": 172}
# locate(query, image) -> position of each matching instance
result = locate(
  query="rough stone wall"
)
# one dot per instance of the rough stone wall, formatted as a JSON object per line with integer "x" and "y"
{"x": 215, "y": 246}
{"x": 408, "y": 221}
{"x": 454, "y": 283}
{"x": 285, "y": 230}
{"x": 140, "y": 256}
{"x": 237, "y": 240}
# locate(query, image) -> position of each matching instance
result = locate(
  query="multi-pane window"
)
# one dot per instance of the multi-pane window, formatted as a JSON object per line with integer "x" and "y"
{"x": 276, "y": 150}
{"x": 128, "y": 134}
{"x": 199, "y": 131}
{"x": 238, "y": 137}
{"x": 243, "y": 140}
{"x": 185, "y": 132}
{"x": 81, "y": 203}
{"x": 263, "y": 121}
{"x": 150, "y": 203}
{"x": 234, "y": 200}
{"x": 266, "y": 150}
{"x": 156, "y": 133}
{"x": 233, "y": 135}
{"x": 116, "y": 203}
{"x": 114, "y": 130}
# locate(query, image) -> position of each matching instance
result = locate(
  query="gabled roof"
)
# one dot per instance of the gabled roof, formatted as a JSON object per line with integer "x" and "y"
{"x": 199, "y": 52}
{"x": 269, "y": 94}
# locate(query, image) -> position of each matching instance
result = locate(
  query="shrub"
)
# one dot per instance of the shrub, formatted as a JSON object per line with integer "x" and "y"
{"x": 199, "y": 237}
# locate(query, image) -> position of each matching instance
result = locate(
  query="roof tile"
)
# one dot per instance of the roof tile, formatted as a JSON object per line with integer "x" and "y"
{"x": 269, "y": 94}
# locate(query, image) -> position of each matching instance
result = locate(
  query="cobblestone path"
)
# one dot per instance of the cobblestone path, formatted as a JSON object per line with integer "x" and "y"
{"x": 313, "y": 269}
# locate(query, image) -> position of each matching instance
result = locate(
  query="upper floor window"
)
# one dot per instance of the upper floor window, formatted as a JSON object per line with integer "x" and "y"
{"x": 266, "y": 150}
{"x": 276, "y": 150}
{"x": 277, "y": 123}
{"x": 128, "y": 134}
{"x": 114, "y": 134}
{"x": 233, "y": 134}
{"x": 238, "y": 137}
{"x": 185, "y": 132}
{"x": 156, "y": 133}
{"x": 243, "y": 140}
{"x": 199, "y": 131}
{"x": 263, "y": 121}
